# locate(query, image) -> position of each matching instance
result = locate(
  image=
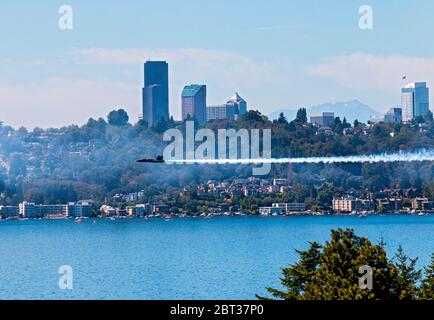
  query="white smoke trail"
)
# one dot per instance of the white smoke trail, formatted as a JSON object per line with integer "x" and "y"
{"x": 418, "y": 156}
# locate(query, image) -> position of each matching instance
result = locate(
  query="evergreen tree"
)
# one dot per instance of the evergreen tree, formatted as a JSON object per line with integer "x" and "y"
{"x": 331, "y": 272}
{"x": 408, "y": 276}
{"x": 427, "y": 288}
{"x": 301, "y": 116}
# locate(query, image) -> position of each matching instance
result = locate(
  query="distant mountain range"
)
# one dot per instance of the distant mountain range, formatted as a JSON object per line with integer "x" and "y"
{"x": 351, "y": 110}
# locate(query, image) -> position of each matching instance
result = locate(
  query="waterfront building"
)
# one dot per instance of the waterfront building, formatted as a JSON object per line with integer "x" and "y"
{"x": 289, "y": 208}
{"x": 193, "y": 102}
{"x": 389, "y": 204}
{"x": 107, "y": 210}
{"x": 160, "y": 208}
{"x": 394, "y": 115}
{"x": 350, "y": 204}
{"x": 79, "y": 210}
{"x": 422, "y": 204}
{"x": 155, "y": 95}
{"x": 345, "y": 204}
{"x": 414, "y": 101}
{"x": 323, "y": 119}
{"x": 270, "y": 211}
{"x": 52, "y": 210}
{"x": 29, "y": 210}
{"x": 136, "y": 211}
{"x": 9, "y": 212}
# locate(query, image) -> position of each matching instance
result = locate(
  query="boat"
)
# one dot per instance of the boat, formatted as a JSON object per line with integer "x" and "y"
{"x": 421, "y": 214}
{"x": 78, "y": 220}
{"x": 362, "y": 215}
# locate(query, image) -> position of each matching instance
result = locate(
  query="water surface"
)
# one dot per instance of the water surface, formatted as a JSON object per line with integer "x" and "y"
{"x": 218, "y": 258}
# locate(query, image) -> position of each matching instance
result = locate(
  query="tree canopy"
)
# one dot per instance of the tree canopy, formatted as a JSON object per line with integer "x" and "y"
{"x": 331, "y": 272}
{"x": 118, "y": 118}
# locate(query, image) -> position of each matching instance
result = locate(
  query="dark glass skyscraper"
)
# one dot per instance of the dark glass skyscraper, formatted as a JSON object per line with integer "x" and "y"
{"x": 156, "y": 91}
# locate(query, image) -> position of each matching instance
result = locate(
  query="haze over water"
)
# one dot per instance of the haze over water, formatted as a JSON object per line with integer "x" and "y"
{"x": 218, "y": 258}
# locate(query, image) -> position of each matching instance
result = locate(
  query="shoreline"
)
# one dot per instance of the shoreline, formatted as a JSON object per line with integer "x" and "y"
{"x": 202, "y": 217}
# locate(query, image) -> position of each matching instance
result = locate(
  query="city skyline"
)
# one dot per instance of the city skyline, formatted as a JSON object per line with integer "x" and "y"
{"x": 286, "y": 57}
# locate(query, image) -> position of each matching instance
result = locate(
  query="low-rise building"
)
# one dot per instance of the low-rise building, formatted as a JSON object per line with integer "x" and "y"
{"x": 280, "y": 182}
{"x": 136, "y": 211}
{"x": 29, "y": 210}
{"x": 422, "y": 204}
{"x": 270, "y": 211}
{"x": 79, "y": 210}
{"x": 289, "y": 208}
{"x": 389, "y": 204}
{"x": 9, "y": 212}
{"x": 160, "y": 208}
{"x": 349, "y": 204}
{"x": 107, "y": 211}
{"x": 250, "y": 192}
{"x": 52, "y": 210}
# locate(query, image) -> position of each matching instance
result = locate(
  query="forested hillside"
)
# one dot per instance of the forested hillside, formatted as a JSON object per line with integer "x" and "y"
{"x": 97, "y": 160}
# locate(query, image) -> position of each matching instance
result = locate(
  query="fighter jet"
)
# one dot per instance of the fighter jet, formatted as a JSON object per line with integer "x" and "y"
{"x": 159, "y": 159}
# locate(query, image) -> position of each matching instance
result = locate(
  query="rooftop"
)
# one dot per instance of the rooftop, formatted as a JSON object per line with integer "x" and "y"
{"x": 191, "y": 90}
{"x": 413, "y": 85}
{"x": 236, "y": 98}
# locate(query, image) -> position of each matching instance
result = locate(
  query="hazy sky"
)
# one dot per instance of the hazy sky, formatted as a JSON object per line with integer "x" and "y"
{"x": 276, "y": 54}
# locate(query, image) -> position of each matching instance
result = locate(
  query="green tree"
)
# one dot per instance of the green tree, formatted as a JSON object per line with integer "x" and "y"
{"x": 118, "y": 118}
{"x": 427, "y": 287}
{"x": 331, "y": 271}
{"x": 301, "y": 116}
{"x": 408, "y": 276}
{"x": 282, "y": 119}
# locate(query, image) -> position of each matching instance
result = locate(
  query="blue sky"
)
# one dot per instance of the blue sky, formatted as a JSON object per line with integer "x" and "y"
{"x": 276, "y": 54}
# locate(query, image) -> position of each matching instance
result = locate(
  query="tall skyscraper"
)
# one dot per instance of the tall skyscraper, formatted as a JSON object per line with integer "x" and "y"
{"x": 415, "y": 101}
{"x": 239, "y": 103}
{"x": 194, "y": 103}
{"x": 156, "y": 91}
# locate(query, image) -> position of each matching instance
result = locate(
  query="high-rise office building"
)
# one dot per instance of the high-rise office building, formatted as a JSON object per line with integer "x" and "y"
{"x": 239, "y": 103}
{"x": 231, "y": 110}
{"x": 415, "y": 101}
{"x": 194, "y": 103}
{"x": 156, "y": 91}
{"x": 393, "y": 115}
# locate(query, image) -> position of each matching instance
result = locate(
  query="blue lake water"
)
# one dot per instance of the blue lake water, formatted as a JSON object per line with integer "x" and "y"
{"x": 219, "y": 258}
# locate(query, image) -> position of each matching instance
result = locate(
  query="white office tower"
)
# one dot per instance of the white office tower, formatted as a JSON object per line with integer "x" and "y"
{"x": 415, "y": 101}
